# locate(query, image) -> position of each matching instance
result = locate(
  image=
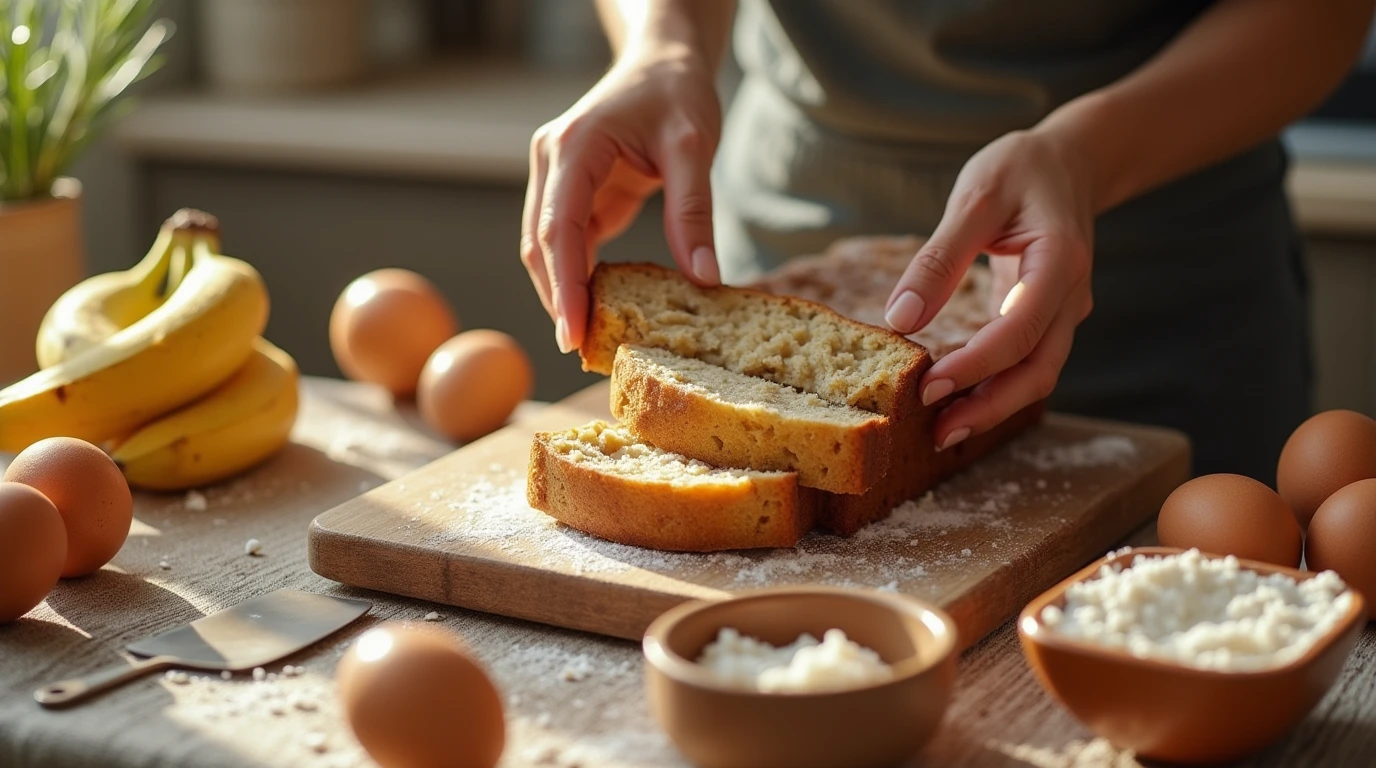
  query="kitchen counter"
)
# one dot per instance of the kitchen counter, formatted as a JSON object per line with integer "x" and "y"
{"x": 185, "y": 558}
{"x": 472, "y": 121}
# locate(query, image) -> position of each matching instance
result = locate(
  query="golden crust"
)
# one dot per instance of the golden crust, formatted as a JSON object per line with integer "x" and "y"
{"x": 842, "y": 458}
{"x": 917, "y": 468}
{"x": 764, "y": 511}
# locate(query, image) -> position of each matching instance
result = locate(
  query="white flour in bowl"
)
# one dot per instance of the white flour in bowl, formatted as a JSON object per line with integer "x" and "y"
{"x": 837, "y": 663}
{"x": 1202, "y": 612}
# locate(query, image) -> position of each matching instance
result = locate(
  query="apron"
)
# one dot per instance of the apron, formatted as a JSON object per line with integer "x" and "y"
{"x": 1200, "y": 320}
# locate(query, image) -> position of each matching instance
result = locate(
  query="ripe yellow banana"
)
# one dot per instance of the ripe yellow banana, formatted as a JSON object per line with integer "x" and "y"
{"x": 181, "y": 350}
{"x": 99, "y": 307}
{"x": 235, "y": 427}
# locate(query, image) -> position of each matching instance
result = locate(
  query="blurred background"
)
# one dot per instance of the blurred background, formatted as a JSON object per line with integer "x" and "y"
{"x": 333, "y": 137}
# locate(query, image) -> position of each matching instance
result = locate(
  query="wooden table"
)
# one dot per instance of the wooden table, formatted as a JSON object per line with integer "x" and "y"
{"x": 572, "y": 699}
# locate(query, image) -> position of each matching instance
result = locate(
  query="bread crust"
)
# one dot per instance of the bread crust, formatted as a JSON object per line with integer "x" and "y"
{"x": 841, "y": 458}
{"x": 917, "y": 467}
{"x": 767, "y": 511}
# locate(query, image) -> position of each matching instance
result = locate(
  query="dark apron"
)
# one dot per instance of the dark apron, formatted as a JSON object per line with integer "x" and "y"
{"x": 1201, "y": 307}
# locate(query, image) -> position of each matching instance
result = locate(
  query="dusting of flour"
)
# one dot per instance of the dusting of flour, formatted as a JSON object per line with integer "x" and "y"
{"x": 921, "y": 538}
{"x": 1104, "y": 450}
{"x": 493, "y": 515}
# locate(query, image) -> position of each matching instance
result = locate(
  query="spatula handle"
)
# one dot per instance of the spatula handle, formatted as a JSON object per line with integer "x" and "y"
{"x": 81, "y": 688}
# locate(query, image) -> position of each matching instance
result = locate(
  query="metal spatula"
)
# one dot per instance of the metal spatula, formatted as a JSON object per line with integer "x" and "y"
{"x": 251, "y": 634}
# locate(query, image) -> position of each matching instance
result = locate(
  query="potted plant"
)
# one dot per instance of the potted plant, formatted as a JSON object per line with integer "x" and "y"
{"x": 64, "y": 66}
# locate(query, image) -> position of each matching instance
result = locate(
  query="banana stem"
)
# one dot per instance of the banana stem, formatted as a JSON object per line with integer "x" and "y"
{"x": 153, "y": 266}
{"x": 178, "y": 266}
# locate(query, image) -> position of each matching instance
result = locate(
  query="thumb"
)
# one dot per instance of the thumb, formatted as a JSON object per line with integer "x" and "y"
{"x": 686, "y": 169}
{"x": 936, "y": 270}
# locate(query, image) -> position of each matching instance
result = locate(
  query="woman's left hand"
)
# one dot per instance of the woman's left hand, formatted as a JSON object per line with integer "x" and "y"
{"x": 1024, "y": 197}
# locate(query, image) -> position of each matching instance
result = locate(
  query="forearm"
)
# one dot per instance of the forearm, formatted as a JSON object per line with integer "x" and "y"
{"x": 699, "y": 27}
{"x": 1237, "y": 75}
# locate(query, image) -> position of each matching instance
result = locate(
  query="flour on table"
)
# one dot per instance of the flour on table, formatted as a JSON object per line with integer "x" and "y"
{"x": 494, "y": 516}
{"x": 1104, "y": 450}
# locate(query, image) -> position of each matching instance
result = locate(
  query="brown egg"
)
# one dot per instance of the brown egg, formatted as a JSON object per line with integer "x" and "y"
{"x": 415, "y": 699}
{"x": 385, "y": 325}
{"x": 33, "y": 545}
{"x": 1329, "y": 451}
{"x": 472, "y": 383}
{"x": 1231, "y": 515}
{"x": 1342, "y": 537}
{"x": 88, "y": 491}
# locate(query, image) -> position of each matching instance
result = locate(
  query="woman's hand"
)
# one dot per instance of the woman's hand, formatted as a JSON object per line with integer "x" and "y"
{"x": 1024, "y": 198}
{"x": 653, "y": 120}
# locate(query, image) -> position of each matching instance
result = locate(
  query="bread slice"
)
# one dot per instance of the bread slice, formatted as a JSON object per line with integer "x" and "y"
{"x": 600, "y": 479}
{"x": 729, "y": 419}
{"x": 785, "y": 340}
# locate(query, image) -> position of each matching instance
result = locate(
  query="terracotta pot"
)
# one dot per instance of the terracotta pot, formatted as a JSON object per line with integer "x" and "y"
{"x": 41, "y": 256}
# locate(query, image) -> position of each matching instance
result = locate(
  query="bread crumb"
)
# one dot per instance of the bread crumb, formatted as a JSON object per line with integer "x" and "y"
{"x": 177, "y": 677}
{"x": 163, "y": 564}
{"x": 966, "y": 552}
{"x": 304, "y": 704}
{"x": 253, "y": 548}
{"x": 195, "y": 501}
{"x": 432, "y": 616}
{"x": 317, "y": 742}
{"x": 577, "y": 670}
{"x": 226, "y": 675}
{"x": 260, "y": 674}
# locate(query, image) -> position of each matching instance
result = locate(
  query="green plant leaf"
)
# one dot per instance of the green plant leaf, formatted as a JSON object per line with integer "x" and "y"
{"x": 65, "y": 68}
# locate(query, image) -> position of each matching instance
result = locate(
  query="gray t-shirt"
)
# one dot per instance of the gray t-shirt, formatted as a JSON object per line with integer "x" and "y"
{"x": 947, "y": 71}
{"x": 855, "y": 117}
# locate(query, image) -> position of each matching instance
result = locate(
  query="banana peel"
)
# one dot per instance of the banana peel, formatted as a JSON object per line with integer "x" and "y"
{"x": 237, "y": 426}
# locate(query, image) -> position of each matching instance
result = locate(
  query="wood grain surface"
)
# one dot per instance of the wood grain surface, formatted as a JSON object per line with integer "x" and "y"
{"x": 459, "y": 532}
{"x": 350, "y": 437}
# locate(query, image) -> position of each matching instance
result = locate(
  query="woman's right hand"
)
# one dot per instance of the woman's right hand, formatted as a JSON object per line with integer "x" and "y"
{"x": 653, "y": 120}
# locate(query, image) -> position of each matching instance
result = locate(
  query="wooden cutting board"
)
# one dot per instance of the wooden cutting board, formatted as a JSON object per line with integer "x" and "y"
{"x": 459, "y": 532}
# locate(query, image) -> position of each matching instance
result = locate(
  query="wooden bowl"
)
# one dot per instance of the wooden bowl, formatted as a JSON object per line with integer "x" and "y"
{"x": 1167, "y": 711}
{"x": 714, "y": 724}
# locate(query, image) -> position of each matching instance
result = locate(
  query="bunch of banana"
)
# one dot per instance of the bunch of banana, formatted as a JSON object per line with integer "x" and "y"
{"x": 163, "y": 363}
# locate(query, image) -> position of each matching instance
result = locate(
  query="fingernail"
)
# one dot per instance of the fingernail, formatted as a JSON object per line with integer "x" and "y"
{"x": 954, "y": 438}
{"x": 561, "y": 336}
{"x": 705, "y": 266}
{"x": 1012, "y": 298}
{"x": 937, "y": 390}
{"x": 905, "y": 312}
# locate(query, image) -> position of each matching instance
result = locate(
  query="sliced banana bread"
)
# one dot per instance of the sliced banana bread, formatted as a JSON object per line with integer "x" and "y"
{"x": 785, "y": 340}
{"x": 602, "y": 480}
{"x": 729, "y": 419}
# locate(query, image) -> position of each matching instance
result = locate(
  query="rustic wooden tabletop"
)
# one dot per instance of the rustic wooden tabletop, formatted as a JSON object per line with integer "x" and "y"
{"x": 571, "y": 698}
